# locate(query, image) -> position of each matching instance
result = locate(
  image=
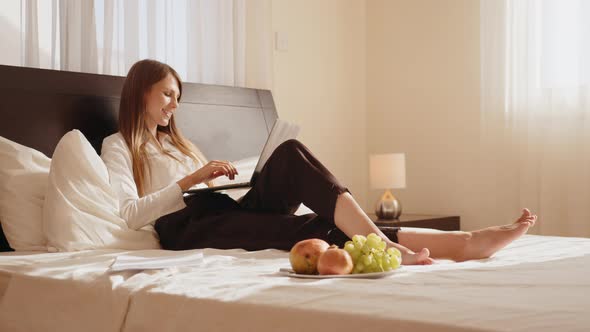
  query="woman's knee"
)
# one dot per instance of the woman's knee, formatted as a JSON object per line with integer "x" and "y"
{"x": 291, "y": 154}
{"x": 289, "y": 148}
{"x": 290, "y": 144}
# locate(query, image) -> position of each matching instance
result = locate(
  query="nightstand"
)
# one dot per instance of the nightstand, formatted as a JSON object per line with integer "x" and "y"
{"x": 444, "y": 223}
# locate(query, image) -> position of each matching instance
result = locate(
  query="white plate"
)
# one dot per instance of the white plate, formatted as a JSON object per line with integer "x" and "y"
{"x": 374, "y": 275}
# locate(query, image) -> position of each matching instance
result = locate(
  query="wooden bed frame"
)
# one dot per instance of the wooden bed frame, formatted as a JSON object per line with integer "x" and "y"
{"x": 38, "y": 106}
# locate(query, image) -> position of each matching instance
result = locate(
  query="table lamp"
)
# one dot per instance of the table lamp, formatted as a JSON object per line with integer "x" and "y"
{"x": 388, "y": 171}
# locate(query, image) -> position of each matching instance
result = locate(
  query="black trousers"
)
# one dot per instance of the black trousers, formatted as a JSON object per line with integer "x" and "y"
{"x": 264, "y": 216}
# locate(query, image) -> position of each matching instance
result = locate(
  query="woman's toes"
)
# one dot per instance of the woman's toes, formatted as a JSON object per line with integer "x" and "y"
{"x": 528, "y": 217}
{"x": 419, "y": 258}
{"x": 424, "y": 253}
{"x": 533, "y": 220}
{"x": 526, "y": 213}
{"x": 524, "y": 224}
{"x": 426, "y": 261}
{"x": 423, "y": 256}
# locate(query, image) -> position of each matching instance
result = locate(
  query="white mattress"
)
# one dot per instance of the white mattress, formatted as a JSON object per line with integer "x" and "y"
{"x": 538, "y": 283}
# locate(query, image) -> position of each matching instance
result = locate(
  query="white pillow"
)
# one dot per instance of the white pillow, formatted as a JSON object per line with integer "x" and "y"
{"x": 23, "y": 181}
{"x": 81, "y": 210}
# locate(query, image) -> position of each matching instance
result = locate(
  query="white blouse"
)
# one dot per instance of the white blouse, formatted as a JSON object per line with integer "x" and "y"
{"x": 162, "y": 193}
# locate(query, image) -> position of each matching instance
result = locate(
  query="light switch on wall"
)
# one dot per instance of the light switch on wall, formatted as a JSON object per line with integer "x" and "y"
{"x": 281, "y": 41}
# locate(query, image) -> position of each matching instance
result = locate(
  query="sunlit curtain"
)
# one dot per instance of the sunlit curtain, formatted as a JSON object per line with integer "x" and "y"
{"x": 535, "y": 114}
{"x": 204, "y": 40}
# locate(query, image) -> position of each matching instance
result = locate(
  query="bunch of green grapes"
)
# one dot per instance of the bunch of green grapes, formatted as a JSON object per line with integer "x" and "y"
{"x": 369, "y": 254}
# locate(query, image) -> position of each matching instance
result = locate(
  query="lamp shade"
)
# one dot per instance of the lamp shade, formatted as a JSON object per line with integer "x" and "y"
{"x": 387, "y": 171}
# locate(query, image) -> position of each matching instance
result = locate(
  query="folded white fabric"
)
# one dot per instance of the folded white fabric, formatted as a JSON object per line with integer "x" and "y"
{"x": 81, "y": 210}
{"x": 23, "y": 182}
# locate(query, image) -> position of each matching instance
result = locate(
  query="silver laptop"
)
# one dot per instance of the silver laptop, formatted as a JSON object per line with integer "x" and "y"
{"x": 281, "y": 132}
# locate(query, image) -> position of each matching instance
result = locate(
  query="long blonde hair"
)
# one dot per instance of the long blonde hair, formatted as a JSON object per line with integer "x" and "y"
{"x": 141, "y": 77}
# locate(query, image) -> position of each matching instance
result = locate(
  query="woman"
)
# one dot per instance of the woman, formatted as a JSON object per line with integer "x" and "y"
{"x": 151, "y": 164}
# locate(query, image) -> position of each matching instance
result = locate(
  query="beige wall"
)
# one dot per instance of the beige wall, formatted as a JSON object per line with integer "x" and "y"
{"x": 377, "y": 76}
{"x": 423, "y": 99}
{"x": 319, "y": 82}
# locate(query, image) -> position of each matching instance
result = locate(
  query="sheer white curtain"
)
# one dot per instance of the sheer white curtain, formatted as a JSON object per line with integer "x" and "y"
{"x": 535, "y": 114}
{"x": 204, "y": 40}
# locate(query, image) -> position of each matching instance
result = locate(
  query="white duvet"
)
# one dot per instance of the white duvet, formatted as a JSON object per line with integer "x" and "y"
{"x": 538, "y": 283}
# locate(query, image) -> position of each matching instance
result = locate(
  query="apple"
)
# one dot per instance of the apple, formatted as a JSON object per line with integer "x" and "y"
{"x": 305, "y": 254}
{"x": 335, "y": 261}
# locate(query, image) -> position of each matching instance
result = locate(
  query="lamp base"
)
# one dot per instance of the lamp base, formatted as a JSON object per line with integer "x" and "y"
{"x": 388, "y": 207}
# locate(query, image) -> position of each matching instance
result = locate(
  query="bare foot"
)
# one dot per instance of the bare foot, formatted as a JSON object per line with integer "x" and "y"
{"x": 528, "y": 217}
{"x": 485, "y": 242}
{"x": 420, "y": 258}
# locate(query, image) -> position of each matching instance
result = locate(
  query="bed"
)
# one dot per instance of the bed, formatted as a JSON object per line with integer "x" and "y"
{"x": 537, "y": 283}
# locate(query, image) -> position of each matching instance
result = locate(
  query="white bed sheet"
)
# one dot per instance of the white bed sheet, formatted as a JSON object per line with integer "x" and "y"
{"x": 538, "y": 283}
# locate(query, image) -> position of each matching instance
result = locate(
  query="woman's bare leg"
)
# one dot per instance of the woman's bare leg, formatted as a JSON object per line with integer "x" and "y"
{"x": 461, "y": 246}
{"x": 352, "y": 220}
{"x": 417, "y": 245}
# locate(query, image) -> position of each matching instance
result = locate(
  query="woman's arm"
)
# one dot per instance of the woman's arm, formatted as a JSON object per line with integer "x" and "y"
{"x": 137, "y": 212}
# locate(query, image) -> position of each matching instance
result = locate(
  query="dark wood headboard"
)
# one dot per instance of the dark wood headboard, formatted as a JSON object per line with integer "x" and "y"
{"x": 39, "y": 106}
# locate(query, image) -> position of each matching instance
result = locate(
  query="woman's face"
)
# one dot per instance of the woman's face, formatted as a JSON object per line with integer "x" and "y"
{"x": 161, "y": 103}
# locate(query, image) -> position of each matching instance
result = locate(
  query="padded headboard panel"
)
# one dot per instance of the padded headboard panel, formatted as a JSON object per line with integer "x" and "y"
{"x": 39, "y": 106}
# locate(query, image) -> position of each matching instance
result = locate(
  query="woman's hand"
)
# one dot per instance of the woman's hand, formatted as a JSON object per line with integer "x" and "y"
{"x": 215, "y": 169}
{"x": 210, "y": 171}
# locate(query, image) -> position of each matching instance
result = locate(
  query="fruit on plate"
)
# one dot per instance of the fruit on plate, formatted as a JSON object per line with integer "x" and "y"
{"x": 368, "y": 255}
{"x": 305, "y": 254}
{"x": 335, "y": 261}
